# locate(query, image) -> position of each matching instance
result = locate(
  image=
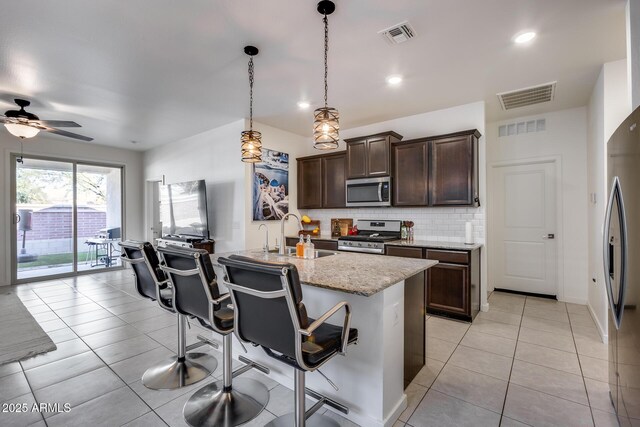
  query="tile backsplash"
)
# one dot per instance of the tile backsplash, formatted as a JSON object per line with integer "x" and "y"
{"x": 443, "y": 224}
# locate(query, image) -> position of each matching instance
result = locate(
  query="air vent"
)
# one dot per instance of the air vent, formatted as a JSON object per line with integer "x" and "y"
{"x": 518, "y": 128}
{"x": 399, "y": 33}
{"x": 528, "y": 96}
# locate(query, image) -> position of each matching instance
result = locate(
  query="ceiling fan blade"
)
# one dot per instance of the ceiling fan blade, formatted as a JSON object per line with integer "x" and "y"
{"x": 57, "y": 123}
{"x": 67, "y": 134}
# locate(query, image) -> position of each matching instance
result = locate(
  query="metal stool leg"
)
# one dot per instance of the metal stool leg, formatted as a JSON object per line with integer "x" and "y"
{"x": 181, "y": 370}
{"x": 223, "y": 403}
{"x": 300, "y": 418}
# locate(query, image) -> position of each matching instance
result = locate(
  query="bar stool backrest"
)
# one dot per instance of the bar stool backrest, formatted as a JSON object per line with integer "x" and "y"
{"x": 266, "y": 320}
{"x": 145, "y": 282}
{"x": 194, "y": 292}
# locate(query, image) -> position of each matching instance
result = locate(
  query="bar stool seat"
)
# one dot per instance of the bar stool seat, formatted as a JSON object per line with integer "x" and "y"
{"x": 270, "y": 313}
{"x": 186, "y": 367}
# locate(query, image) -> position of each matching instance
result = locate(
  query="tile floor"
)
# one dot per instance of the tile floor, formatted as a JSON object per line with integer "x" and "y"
{"x": 527, "y": 361}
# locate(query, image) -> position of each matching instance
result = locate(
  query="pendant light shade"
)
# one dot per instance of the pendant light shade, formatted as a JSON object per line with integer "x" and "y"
{"x": 251, "y": 140}
{"x": 326, "y": 124}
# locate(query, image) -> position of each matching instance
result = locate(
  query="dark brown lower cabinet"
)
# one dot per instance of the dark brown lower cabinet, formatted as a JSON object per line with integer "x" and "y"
{"x": 330, "y": 245}
{"x": 414, "y": 326}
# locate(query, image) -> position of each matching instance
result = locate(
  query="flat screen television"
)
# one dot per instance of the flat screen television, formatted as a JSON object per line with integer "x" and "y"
{"x": 183, "y": 209}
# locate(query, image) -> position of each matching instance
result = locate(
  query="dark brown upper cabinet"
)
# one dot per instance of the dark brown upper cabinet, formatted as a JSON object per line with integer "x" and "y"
{"x": 370, "y": 156}
{"x": 411, "y": 177}
{"x": 334, "y": 172}
{"x": 453, "y": 169}
{"x": 310, "y": 183}
{"x": 321, "y": 181}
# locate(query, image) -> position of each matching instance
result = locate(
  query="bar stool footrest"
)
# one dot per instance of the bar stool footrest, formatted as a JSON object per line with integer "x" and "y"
{"x": 250, "y": 364}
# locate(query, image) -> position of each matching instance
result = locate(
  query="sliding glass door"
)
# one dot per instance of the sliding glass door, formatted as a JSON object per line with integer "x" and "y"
{"x": 67, "y": 216}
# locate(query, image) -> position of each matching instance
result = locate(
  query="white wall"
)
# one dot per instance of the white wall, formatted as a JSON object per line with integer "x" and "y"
{"x": 215, "y": 157}
{"x": 608, "y": 106}
{"x": 440, "y": 224}
{"x": 565, "y": 137}
{"x": 54, "y": 147}
{"x": 633, "y": 53}
{"x": 295, "y": 146}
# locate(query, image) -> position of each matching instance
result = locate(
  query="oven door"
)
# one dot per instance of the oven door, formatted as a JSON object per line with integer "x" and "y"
{"x": 368, "y": 192}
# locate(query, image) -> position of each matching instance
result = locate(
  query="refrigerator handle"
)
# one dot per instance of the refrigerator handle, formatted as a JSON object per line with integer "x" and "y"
{"x": 623, "y": 251}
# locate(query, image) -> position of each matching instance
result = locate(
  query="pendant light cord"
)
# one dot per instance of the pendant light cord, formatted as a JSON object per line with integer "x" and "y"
{"x": 326, "y": 49}
{"x": 251, "y": 93}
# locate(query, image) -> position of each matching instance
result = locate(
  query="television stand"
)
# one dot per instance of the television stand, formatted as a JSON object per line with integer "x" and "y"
{"x": 187, "y": 242}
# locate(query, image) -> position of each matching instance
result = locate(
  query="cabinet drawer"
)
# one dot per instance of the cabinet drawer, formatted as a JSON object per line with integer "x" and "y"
{"x": 456, "y": 257}
{"x": 330, "y": 245}
{"x": 404, "y": 252}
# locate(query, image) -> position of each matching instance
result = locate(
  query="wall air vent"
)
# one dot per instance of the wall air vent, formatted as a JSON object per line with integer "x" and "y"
{"x": 398, "y": 33}
{"x": 528, "y": 96}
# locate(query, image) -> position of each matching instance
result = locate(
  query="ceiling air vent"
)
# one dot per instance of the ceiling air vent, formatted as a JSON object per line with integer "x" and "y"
{"x": 399, "y": 33}
{"x": 528, "y": 96}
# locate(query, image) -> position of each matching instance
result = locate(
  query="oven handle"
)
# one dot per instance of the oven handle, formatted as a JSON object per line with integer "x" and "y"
{"x": 364, "y": 250}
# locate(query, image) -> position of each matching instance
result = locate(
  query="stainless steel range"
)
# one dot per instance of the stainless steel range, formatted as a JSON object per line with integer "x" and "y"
{"x": 371, "y": 237}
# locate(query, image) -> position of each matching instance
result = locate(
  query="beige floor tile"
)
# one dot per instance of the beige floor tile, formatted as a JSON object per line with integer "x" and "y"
{"x": 560, "y": 328}
{"x": 508, "y": 422}
{"x": 539, "y": 409}
{"x": 586, "y": 332}
{"x": 549, "y": 314}
{"x": 472, "y": 387}
{"x": 489, "y": 343}
{"x": 414, "y": 393}
{"x": 482, "y": 362}
{"x": 438, "y": 409}
{"x": 576, "y": 308}
{"x": 596, "y": 369}
{"x": 598, "y": 392}
{"x": 551, "y": 381}
{"x": 439, "y": 349}
{"x": 445, "y": 329}
{"x": 549, "y": 357}
{"x": 547, "y": 339}
{"x": 495, "y": 328}
{"x": 607, "y": 419}
{"x": 546, "y": 304}
{"x": 428, "y": 373}
{"x": 592, "y": 348}
{"x": 500, "y": 316}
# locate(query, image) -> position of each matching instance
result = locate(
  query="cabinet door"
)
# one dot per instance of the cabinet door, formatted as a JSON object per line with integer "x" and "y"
{"x": 448, "y": 288}
{"x": 333, "y": 181}
{"x": 357, "y": 159}
{"x": 329, "y": 245}
{"x": 310, "y": 183}
{"x": 410, "y": 164}
{"x": 405, "y": 252}
{"x": 378, "y": 157}
{"x": 451, "y": 171}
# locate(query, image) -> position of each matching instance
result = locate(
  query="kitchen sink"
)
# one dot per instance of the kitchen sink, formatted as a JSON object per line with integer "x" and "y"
{"x": 291, "y": 251}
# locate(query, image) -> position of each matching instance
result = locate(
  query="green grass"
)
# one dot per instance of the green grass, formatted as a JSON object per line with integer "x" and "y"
{"x": 52, "y": 260}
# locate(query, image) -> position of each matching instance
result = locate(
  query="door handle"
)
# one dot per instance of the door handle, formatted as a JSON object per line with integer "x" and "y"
{"x": 549, "y": 236}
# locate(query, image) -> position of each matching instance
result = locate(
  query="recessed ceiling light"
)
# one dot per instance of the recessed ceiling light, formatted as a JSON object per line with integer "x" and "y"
{"x": 303, "y": 105}
{"x": 394, "y": 80}
{"x": 525, "y": 37}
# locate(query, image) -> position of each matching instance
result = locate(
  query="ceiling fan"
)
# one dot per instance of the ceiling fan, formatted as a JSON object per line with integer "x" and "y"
{"x": 23, "y": 124}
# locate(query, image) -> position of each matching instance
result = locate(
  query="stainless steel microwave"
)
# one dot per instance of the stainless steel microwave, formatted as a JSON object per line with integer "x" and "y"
{"x": 369, "y": 192}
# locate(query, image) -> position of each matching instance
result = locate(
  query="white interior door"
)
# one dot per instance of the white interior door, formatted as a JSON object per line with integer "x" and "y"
{"x": 525, "y": 228}
{"x": 154, "y": 228}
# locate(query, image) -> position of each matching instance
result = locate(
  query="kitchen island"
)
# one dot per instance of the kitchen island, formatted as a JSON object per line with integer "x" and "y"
{"x": 371, "y": 378}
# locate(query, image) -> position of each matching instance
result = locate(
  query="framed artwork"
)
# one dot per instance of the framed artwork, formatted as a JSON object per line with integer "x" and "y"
{"x": 271, "y": 186}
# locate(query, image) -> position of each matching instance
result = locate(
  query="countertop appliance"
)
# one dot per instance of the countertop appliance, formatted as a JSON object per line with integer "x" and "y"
{"x": 362, "y": 192}
{"x": 371, "y": 237}
{"x": 621, "y": 250}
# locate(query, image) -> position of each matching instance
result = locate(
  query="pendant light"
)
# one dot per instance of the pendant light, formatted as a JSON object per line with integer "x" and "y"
{"x": 326, "y": 119}
{"x": 251, "y": 140}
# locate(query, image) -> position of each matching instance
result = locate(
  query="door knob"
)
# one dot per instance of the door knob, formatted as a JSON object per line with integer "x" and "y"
{"x": 549, "y": 236}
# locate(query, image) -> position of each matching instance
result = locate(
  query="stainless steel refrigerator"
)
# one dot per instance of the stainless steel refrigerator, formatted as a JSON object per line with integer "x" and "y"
{"x": 622, "y": 268}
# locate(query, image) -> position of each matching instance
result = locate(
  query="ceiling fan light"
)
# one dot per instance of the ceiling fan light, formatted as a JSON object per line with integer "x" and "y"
{"x": 21, "y": 131}
{"x": 251, "y": 147}
{"x": 326, "y": 127}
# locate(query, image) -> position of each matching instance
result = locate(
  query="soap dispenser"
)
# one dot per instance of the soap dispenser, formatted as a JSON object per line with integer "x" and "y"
{"x": 309, "y": 248}
{"x": 300, "y": 247}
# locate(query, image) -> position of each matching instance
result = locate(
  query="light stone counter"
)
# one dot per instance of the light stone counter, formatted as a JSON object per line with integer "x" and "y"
{"x": 435, "y": 245}
{"x": 360, "y": 274}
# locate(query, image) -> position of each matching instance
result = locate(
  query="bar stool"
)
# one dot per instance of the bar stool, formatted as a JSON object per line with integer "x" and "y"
{"x": 270, "y": 313}
{"x": 226, "y": 402}
{"x": 184, "y": 368}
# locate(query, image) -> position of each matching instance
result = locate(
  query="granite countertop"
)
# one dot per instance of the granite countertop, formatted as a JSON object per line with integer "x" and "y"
{"x": 435, "y": 245}
{"x": 354, "y": 273}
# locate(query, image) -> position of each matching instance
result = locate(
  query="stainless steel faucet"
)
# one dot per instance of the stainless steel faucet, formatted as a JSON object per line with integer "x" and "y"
{"x": 265, "y": 247}
{"x": 281, "y": 250}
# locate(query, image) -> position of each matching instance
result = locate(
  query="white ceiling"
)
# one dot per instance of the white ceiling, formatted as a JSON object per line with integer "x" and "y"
{"x": 155, "y": 71}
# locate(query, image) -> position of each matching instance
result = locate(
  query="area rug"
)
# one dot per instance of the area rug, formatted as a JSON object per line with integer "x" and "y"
{"x": 20, "y": 334}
